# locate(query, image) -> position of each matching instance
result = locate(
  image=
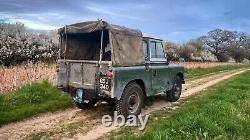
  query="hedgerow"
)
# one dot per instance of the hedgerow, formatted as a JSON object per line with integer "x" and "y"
{"x": 18, "y": 45}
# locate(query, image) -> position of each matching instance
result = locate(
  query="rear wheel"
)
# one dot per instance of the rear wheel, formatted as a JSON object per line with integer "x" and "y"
{"x": 131, "y": 100}
{"x": 175, "y": 93}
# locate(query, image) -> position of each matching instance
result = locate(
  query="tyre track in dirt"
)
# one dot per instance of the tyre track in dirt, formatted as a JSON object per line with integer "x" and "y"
{"x": 90, "y": 119}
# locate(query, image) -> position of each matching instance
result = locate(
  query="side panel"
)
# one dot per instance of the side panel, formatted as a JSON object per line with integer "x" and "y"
{"x": 176, "y": 69}
{"x": 123, "y": 75}
{"x": 162, "y": 77}
{"x": 62, "y": 78}
{"x": 154, "y": 84}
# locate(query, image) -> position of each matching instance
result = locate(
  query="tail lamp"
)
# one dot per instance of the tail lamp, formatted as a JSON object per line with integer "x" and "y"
{"x": 109, "y": 74}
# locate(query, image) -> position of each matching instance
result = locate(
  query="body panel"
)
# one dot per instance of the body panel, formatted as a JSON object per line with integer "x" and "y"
{"x": 154, "y": 84}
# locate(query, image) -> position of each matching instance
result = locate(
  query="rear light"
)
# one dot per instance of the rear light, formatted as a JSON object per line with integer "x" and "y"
{"x": 57, "y": 69}
{"x": 109, "y": 74}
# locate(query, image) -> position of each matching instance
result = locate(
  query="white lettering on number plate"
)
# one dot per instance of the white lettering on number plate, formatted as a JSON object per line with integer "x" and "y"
{"x": 104, "y": 84}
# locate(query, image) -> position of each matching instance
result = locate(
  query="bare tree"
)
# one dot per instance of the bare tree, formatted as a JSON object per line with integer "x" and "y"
{"x": 238, "y": 46}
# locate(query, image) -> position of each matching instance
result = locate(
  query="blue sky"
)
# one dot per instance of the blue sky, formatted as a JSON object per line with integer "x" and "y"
{"x": 174, "y": 20}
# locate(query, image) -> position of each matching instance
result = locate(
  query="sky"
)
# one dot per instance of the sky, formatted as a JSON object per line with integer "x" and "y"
{"x": 173, "y": 20}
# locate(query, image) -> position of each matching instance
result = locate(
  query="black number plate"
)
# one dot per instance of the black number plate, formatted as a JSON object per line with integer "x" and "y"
{"x": 105, "y": 83}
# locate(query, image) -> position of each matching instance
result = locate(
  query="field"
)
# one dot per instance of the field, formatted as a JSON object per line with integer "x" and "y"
{"x": 13, "y": 77}
{"x": 201, "y": 64}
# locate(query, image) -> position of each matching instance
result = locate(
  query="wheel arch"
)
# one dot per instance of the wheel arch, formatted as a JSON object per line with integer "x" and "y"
{"x": 139, "y": 82}
{"x": 181, "y": 75}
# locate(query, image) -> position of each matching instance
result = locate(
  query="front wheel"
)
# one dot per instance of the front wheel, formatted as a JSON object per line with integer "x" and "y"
{"x": 131, "y": 100}
{"x": 175, "y": 93}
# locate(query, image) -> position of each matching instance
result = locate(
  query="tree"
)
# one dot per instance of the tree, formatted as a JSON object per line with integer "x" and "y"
{"x": 247, "y": 48}
{"x": 224, "y": 43}
{"x": 197, "y": 44}
{"x": 238, "y": 47}
{"x": 18, "y": 45}
{"x": 172, "y": 50}
{"x": 187, "y": 51}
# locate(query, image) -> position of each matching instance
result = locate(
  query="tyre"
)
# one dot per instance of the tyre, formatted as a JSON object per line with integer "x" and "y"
{"x": 110, "y": 101}
{"x": 175, "y": 93}
{"x": 85, "y": 106}
{"x": 131, "y": 100}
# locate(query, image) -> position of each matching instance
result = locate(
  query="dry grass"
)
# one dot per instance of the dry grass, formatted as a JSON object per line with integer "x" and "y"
{"x": 13, "y": 77}
{"x": 200, "y": 64}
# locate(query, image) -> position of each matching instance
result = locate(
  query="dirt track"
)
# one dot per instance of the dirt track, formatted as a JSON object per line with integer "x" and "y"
{"x": 77, "y": 124}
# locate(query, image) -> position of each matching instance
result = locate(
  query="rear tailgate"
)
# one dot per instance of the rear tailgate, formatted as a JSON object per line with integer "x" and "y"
{"x": 77, "y": 74}
{"x": 82, "y": 74}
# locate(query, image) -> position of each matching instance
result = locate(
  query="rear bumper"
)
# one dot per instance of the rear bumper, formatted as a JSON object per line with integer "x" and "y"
{"x": 89, "y": 94}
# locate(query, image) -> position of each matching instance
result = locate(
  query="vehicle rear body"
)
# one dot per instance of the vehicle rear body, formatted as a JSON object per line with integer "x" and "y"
{"x": 100, "y": 64}
{"x": 80, "y": 74}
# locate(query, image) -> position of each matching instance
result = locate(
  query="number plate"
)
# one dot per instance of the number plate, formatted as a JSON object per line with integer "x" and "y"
{"x": 105, "y": 83}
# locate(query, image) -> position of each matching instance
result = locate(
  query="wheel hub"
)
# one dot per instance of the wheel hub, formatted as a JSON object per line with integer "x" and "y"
{"x": 177, "y": 90}
{"x": 133, "y": 103}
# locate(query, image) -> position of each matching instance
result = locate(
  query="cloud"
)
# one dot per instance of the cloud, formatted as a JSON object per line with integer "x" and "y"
{"x": 111, "y": 12}
{"x": 176, "y": 20}
{"x": 36, "y": 25}
{"x": 28, "y": 23}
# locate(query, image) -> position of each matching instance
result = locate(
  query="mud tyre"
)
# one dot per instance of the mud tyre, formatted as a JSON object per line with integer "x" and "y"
{"x": 174, "y": 94}
{"x": 131, "y": 101}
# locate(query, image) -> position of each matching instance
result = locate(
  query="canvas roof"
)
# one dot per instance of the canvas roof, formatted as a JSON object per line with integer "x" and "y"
{"x": 126, "y": 44}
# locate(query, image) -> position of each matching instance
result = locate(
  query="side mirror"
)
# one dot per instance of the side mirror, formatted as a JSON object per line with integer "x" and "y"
{"x": 166, "y": 56}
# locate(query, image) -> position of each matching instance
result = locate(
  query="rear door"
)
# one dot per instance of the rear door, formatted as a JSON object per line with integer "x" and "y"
{"x": 82, "y": 74}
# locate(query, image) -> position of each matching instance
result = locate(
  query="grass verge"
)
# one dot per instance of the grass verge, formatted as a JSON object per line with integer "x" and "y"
{"x": 30, "y": 100}
{"x": 220, "y": 112}
{"x": 198, "y": 72}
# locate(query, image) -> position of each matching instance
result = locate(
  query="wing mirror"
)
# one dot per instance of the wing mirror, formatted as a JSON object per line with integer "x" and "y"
{"x": 166, "y": 56}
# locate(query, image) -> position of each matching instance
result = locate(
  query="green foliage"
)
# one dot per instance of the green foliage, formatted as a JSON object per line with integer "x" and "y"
{"x": 220, "y": 112}
{"x": 30, "y": 100}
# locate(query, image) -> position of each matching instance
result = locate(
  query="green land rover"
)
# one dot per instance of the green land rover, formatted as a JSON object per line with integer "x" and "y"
{"x": 102, "y": 61}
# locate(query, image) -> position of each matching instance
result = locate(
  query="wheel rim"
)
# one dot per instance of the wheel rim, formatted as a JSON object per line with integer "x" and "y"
{"x": 177, "y": 90}
{"x": 133, "y": 103}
